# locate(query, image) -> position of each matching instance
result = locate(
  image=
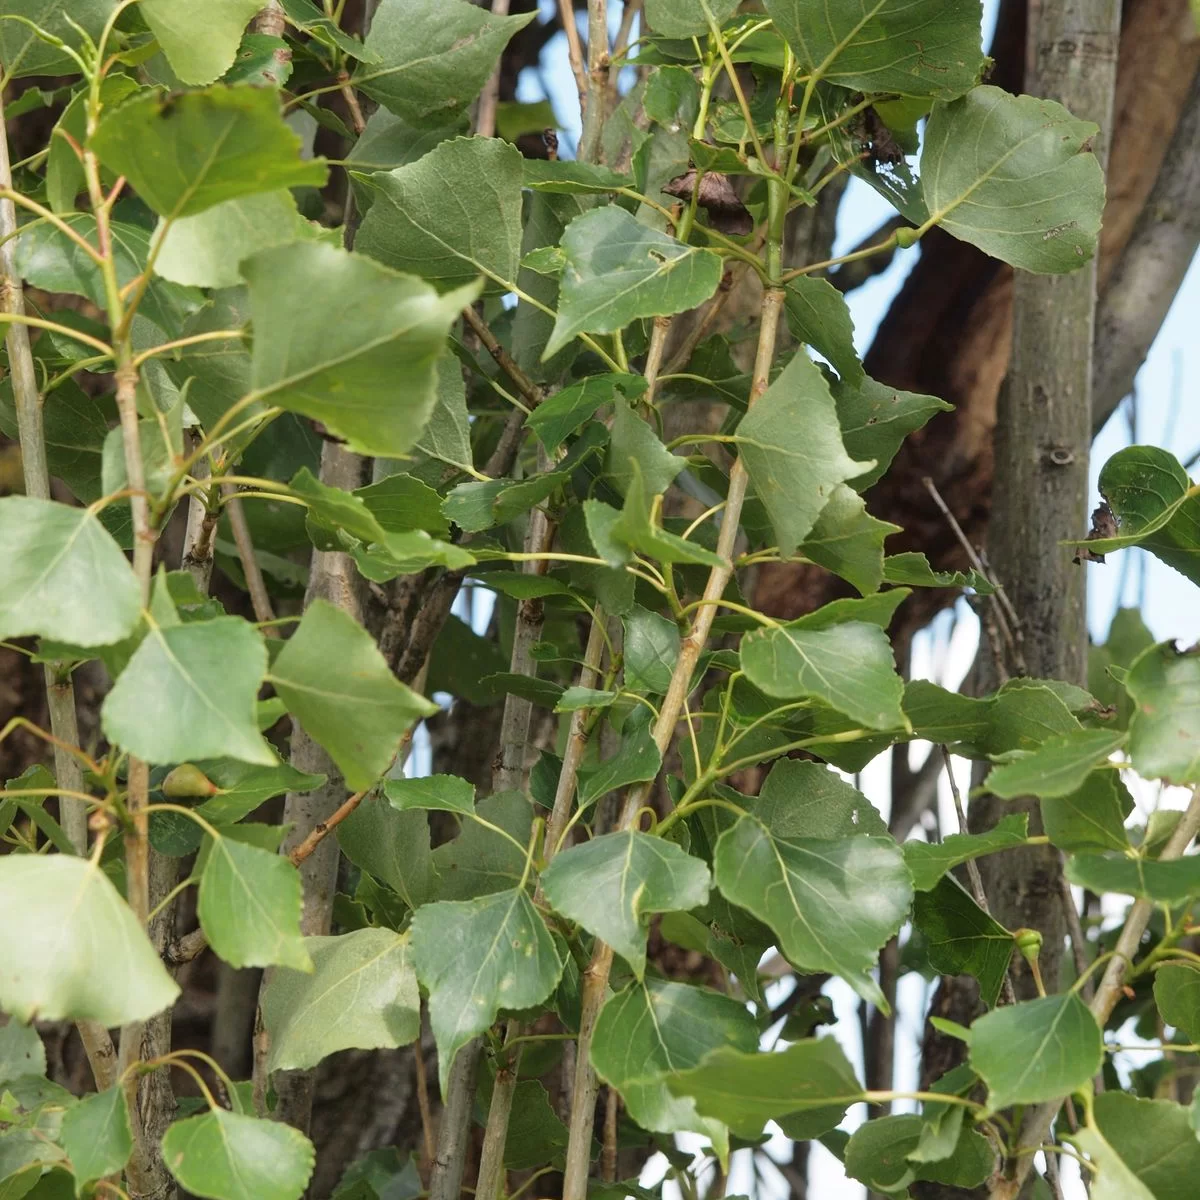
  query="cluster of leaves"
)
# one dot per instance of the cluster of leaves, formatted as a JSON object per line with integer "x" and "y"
{"x": 178, "y": 202}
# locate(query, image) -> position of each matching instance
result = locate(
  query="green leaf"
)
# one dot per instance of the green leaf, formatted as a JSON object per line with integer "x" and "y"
{"x": 914, "y": 47}
{"x": 1155, "y": 1141}
{"x": 848, "y": 541}
{"x": 1164, "y": 731}
{"x": 817, "y": 313}
{"x": 262, "y": 60}
{"x": 929, "y": 862}
{"x": 433, "y": 56}
{"x": 1058, "y": 767}
{"x": 875, "y": 419}
{"x": 432, "y": 793}
{"x": 226, "y": 1156}
{"x": 746, "y": 1090}
{"x": 1162, "y": 882}
{"x": 575, "y": 698}
{"x": 189, "y": 691}
{"x": 961, "y": 939}
{"x": 616, "y": 534}
{"x": 21, "y": 1051}
{"x": 358, "y": 713}
{"x": 613, "y": 884}
{"x": 808, "y": 800}
{"x": 370, "y": 375}
{"x": 1092, "y": 818}
{"x": 912, "y": 568}
{"x": 879, "y": 1154}
{"x": 249, "y": 906}
{"x": 848, "y": 666}
{"x": 653, "y": 1029}
{"x": 560, "y": 415}
{"x": 476, "y": 957}
{"x": 1036, "y": 1050}
{"x": 563, "y": 177}
{"x": 184, "y": 153}
{"x": 96, "y": 1135}
{"x": 447, "y": 437}
{"x": 618, "y": 270}
{"x": 634, "y": 447}
{"x": 66, "y": 579}
{"x": 1026, "y": 191}
{"x": 480, "y": 504}
{"x": 1110, "y": 1179}
{"x": 687, "y": 18}
{"x": 831, "y": 903}
{"x": 1177, "y": 994}
{"x": 401, "y": 503}
{"x": 78, "y": 951}
{"x": 391, "y": 846}
{"x": 449, "y": 217}
{"x": 308, "y": 15}
{"x": 21, "y": 50}
{"x": 362, "y": 994}
{"x": 792, "y": 448}
{"x": 651, "y": 651}
{"x": 637, "y": 760}
{"x": 480, "y": 860}
{"x": 1155, "y": 505}
{"x": 242, "y": 787}
{"x": 536, "y": 1134}
{"x": 200, "y": 42}
{"x": 204, "y": 250}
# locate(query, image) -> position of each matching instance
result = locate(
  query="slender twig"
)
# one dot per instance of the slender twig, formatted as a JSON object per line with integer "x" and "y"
{"x": 608, "y": 1151}
{"x": 597, "y": 81}
{"x": 624, "y": 31}
{"x": 654, "y": 355}
{"x": 323, "y": 828}
{"x": 566, "y": 12}
{"x": 423, "y": 1107}
{"x": 489, "y": 98}
{"x": 1078, "y": 941}
{"x": 260, "y": 599}
{"x": 530, "y": 390}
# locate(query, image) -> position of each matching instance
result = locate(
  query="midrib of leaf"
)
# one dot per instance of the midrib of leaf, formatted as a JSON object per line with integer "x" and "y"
{"x": 70, "y": 542}
{"x": 1034, "y": 1058}
{"x": 333, "y": 987}
{"x": 867, "y": 15}
{"x": 347, "y": 697}
{"x": 665, "y": 266}
{"x": 189, "y": 192}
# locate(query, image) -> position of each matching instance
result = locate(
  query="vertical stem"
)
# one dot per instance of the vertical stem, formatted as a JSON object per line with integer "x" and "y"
{"x": 270, "y": 19}
{"x": 260, "y": 598}
{"x": 60, "y": 692}
{"x": 485, "y": 120}
{"x": 199, "y": 536}
{"x": 597, "y": 81}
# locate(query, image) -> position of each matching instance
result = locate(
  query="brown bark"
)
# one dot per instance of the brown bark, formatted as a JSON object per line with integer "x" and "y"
{"x": 949, "y": 330}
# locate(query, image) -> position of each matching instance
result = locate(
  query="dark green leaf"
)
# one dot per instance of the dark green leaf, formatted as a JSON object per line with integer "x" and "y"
{"x": 393, "y": 847}
{"x": 651, "y": 651}
{"x": 634, "y": 448}
{"x": 571, "y": 178}
{"x": 747, "y": 1089}
{"x": 832, "y": 904}
{"x": 912, "y": 568}
{"x": 186, "y": 152}
{"x": 1155, "y": 1141}
{"x": 476, "y": 957}
{"x": 242, "y": 787}
{"x": 618, "y": 270}
{"x": 1162, "y": 882}
{"x": 560, "y": 415}
{"x": 914, "y": 47}
{"x": 1058, "y": 767}
{"x": 432, "y": 793}
{"x": 1036, "y": 1050}
{"x": 1110, "y": 1178}
{"x": 614, "y": 883}
{"x": 369, "y": 376}
{"x": 481, "y": 861}
{"x": 1177, "y": 994}
{"x": 358, "y": 713}
{"x": 817, "y": 314}
{"x": 226, "y": 1156}
{"x": 21, "y": 1051}
{"x": 401, "y": 503}
{"x": 536, "y": 1134}
{"x": 687, "y": 18}
{"x": 480, "y": 504}
{"x": 929, "y": 862}
{"x": 637, "y": 760}
{"x": 961, "y": 939}
{"x": 1027, "y": 192}
{"x": 433, "y": 56}
{"x": 792, "y": 447}
{"x": 361, "y": 994}
{"x": 24, "y": 53}
{"x": 879, "y": 1154}
{"x": 808, "y": 800}
{"x": 1092, "y": 818}
{"x": 848, "y": 666}
{"x": 451, "y": 216}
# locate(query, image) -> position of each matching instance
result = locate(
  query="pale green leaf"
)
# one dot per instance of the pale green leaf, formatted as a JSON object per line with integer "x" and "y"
{"x": 227, "y": 1156}
{"x": 634, "y": 450}
{"x": 97, "y": 1136}
{"x": 1109, "y": 1177}
{"x": 249, "y": 906}
{"x": 200, "y": 41}
{"x": 186, "y": 152}
{"x": 613, "y": 884}
{"x": 449, "y": 217}
{"x": 433, "y": 56}
{"x": 358, "y": 713}
{"x": 912, "y": 568}
{"x": 1011, "y": 175}
{"x": 1036, "y": 1050}
{"x": 476, "y": 957}
{"x": 848, "y": 666}
{"x": 1164, "y": 731}
{"x": 78, "y": 951}
{"x": 832, "y": 904}
{"x": 1058, "y": 767}
{"x": 1163, "y": 882}
{"x": 792, "y": 446}
{"x": 914, "y": 47}
{"x": 189, "y": 691}
{"x": 649, "y": 1031}
{"x": 21, "y": 1051}
{"x": 1155, "y": 1141}
{"x": 65, "y": 578}
{"x": 362, "y": 994}
{"x": 618, "y": 270}
{"x": 370, "y": 375}
{"x": 747, "y": 1089}
{"x": 204, "y": 250}
{"x": 928, "y": 862}
{"x": 433, "y": 793}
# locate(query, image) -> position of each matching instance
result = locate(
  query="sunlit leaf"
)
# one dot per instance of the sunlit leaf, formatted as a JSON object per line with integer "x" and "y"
{"x": 808, "y": 800}
{"x": 362, "y": 993}
{"x": 78, "y": 952}
{"x": 200, "y": 42}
